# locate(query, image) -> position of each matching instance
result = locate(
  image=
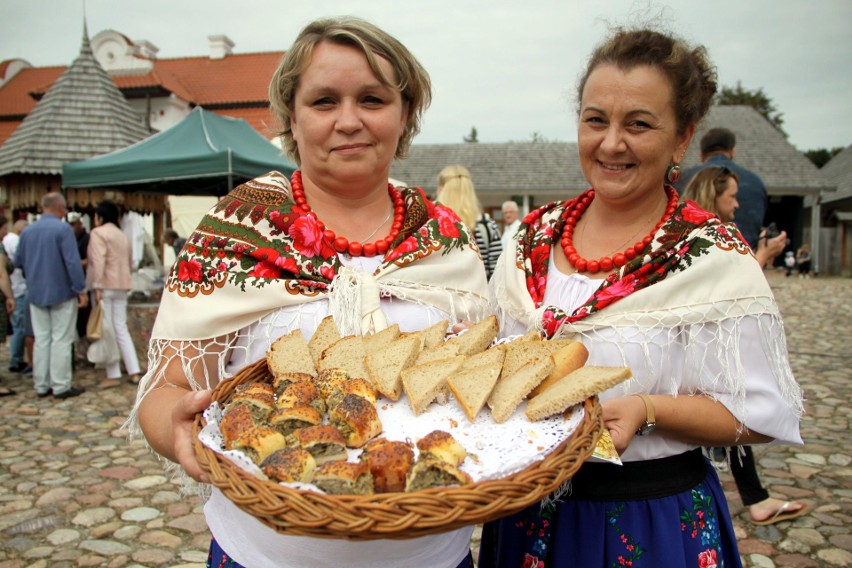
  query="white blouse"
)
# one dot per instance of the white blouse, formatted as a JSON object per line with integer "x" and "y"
{"x": 253, "y": 544}
{"x": 765, "y": 409}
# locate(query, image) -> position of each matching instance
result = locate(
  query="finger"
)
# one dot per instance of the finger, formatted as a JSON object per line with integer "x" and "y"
{"x": 183, "y": 419}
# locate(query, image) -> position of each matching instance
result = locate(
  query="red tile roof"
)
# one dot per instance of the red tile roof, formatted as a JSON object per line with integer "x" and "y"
{"x": 236, "y": 85}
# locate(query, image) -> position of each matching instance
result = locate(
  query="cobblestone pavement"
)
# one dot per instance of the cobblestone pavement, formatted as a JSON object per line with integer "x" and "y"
{"x": 74, "y": 492}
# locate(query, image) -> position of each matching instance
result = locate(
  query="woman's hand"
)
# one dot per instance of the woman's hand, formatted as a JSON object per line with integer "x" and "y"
{"x": 768, "y": 249}
{"x": 10, "y": 305}
{"x": 623, "y": 416}
{"x": 461, "y": 326}
{"x": 183, "y": 418}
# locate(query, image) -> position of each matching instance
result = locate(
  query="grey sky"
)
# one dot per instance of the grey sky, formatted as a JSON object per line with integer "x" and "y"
{"x": 508, "y": 68}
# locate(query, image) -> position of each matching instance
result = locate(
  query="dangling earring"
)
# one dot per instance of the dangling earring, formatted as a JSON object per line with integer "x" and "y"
{"x": 673, "y": 173}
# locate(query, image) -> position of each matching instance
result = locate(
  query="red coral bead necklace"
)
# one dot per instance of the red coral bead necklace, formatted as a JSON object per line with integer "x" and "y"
{"x": 617, "y": 260}
{"x": 342, "y": 244}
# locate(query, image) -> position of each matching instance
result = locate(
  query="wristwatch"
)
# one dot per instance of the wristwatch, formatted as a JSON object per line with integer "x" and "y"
{"x": 650, "y": 420}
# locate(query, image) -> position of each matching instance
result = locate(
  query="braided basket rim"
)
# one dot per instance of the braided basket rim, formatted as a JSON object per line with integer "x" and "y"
{"x": 391, "y": 515}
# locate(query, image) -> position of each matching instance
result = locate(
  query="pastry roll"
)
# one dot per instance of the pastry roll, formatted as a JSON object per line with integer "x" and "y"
{"x": 329, "y": 380}
{"x": 301, "y": 393}
{"x": 283, "y": 380}
{"x": 361, "y": 387}
{"x": 344, "y": 478}
{"x": 253, "y": 388}
{"x": 389, "y": 463}
{"x": 290, "y": 465}
{"x": 357, "y": 420}
{"x": 259, "y": 442}
{"x": 261, "y": 403}
{"x": 235, "y": 419}
{"x": 442, "y": 446}
{"x": 287, "y": 420}
{"x": 429, "y": 472}
{"x": 324, "y": 442}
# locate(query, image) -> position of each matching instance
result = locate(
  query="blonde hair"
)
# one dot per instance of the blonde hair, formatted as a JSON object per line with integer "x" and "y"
{"x": 707, "y": 185}
{"x": 411, "y": 79}
{"x": 456, "y": 191}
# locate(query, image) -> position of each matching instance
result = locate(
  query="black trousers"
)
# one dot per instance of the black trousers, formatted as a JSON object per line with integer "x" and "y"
{"x": 745, "y": 475}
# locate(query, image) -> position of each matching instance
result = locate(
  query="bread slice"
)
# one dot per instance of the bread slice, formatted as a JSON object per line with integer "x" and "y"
{"x": 523, "y": 351}
{"x": 386, "y": 364}
{"x": 491, "y": 355}
{"x": 435, "y": 334}
{"x": 381, "y": 338}
{"x": 567, "y": 359}
{"x": 573, "y": 388}
{"x": 423, "y": 383}
{"x": 476, "y": 338}
{"x": 441, "y": 351}
{"x": 325, "y": 334}
{"x": 509, "y": 392}
{"x": 290, "y": 354}
{"x": 346, "y": 353}
{"x": 472, "y": 386}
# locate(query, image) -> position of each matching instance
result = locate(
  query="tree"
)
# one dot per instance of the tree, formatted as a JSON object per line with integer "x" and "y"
{"x": 471, "y": 138}
{"x": 821, "y": 156}
{"x": 757, "y": 99}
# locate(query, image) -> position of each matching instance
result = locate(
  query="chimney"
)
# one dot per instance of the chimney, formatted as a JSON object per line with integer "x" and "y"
{"x": 220, "y": 46}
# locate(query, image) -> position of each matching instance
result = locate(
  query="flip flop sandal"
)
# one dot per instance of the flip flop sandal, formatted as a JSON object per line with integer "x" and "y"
{"x": 784, "y": 513}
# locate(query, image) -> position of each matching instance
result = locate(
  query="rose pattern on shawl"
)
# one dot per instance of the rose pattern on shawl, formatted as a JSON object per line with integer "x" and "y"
{"x": 694, "y": 213}
{"x": 256, "y": 235}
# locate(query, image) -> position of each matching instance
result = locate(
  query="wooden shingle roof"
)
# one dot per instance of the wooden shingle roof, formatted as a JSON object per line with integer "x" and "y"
{"x": 552, "y": 169}
{"x": 83, "y": 114}
{"x": 839, "y": 172}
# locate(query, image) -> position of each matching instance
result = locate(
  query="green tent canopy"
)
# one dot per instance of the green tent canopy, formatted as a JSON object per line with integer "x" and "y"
{"x": 204, "y": 154}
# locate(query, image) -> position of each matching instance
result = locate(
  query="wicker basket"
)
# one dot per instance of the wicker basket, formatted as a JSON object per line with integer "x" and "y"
{"x": 392, "y": 515}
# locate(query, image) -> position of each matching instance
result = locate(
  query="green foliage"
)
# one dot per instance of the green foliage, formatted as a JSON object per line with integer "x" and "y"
{"x": 757, "y": 99}
{"x": 821, "y": 156}
{"x": 472, "y": 137}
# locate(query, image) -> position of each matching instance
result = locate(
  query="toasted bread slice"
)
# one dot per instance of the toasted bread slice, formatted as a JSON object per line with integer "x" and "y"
{"x": 523, "y": 351}
{"x": 573, "y": 388}
{"x": 423, "y": 383}
{"x": 381, "y": 338}
{"x": 290, "y": 354}
{"x": 473, "y": 386}
{"x": 477, "y": 338}
{"x": 325, "y": 334}
{"x": 386, "y": 364}
{"x": 509, "y": 392}
{"x": 346, "y": 353}
{"x": 566, "y": 360}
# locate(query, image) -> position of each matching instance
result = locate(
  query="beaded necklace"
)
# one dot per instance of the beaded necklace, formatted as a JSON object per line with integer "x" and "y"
{"x": 342, "y": 244}
{"x": 577, "y": 207}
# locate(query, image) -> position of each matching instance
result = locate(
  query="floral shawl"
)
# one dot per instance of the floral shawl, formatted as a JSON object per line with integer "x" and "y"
{"x": 697, "y": 277}
{"x": 256, "y": 251}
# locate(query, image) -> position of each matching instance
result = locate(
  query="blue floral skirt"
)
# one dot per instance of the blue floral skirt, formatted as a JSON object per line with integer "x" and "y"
{"x": 689, "y": 528}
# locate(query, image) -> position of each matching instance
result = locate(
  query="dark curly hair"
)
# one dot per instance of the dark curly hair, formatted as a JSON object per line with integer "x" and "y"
{"x": 689, "y": 70}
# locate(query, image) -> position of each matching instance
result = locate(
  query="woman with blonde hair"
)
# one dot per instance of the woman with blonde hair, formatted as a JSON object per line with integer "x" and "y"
{"x": 456, "y": 191}
{"x": 715, "y": 189}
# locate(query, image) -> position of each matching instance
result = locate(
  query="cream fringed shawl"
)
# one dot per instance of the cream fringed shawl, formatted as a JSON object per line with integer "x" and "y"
{"x": 695, "y": 285}
{"x": 256, "y": 251}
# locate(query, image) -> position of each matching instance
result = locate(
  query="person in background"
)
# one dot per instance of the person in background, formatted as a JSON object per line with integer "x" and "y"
{"x": 715, "y": 190}
{"x": 171, "y": 238}
{"x": 56, "y": 286}
{"x": 789, "y": 263}
{"x": 456, "y": 191}
{"x": 803, "y": 260}
{"x": 718, "y": 147}
{"x": 512, "y": 220}
{"x": 21, "y": 341}
{"x": 8, "y": 295}
{"x": 75, "y": 219}
{"x": 349, "y": 98}
{"x": 662, "y": 288}
{"x": 109, "y": 277}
